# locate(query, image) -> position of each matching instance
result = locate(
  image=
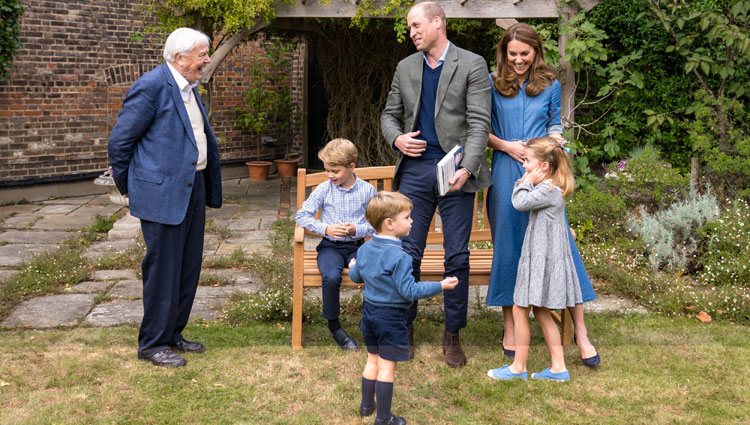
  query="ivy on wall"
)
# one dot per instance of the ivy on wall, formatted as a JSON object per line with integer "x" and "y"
{"x": 10, "y": 15}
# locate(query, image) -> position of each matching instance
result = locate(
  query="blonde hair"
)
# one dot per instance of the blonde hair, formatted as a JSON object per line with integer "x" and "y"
{"x": 549, "y": 150}
{"x": 338, "y": 153}
{"x": 385, "y": 205}
{"x": 505, "y": 79}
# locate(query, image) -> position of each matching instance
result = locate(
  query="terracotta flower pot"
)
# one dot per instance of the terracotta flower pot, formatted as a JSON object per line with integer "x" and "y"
{"x": 258, "y": 170}
{"x": 286, "y": 167}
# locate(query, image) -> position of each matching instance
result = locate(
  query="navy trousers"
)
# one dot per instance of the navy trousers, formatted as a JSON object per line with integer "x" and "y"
{"x": 418, "y": 181}
{"x": 332, "y": 258}
{"x": 171, "y": 269}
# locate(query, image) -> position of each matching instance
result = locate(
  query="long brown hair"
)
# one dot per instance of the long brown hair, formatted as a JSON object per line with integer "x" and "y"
{"x": 540, "y": 76}
{"x": 549, "y": 150}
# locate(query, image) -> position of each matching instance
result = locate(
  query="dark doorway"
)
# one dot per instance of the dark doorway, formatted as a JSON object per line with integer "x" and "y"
{"x": 317, "y": 111}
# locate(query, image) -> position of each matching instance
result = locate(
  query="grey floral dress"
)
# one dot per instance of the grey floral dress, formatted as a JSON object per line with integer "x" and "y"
{"x": 546, "y": 274}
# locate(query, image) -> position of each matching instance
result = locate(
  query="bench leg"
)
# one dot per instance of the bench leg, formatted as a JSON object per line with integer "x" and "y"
{"x": 565, "y": 321}
{"x": 567, "y": 327}
{"x": 297, "y": 314}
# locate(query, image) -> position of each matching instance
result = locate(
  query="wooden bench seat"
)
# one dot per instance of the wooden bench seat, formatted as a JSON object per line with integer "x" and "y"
{"x": 306, "y": 273}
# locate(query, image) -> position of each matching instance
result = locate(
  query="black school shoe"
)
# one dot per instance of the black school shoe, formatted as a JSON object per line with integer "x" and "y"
{"x": 344, "y": 340}
{"x": 394, "y": 420}
{"x": 164, "y": 358}
{"x": 185, "y": 346}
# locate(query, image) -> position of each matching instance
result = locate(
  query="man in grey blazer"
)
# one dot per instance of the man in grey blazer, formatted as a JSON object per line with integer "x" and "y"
{"x": 439, "y": 98}
{"x": 165, "y": 157}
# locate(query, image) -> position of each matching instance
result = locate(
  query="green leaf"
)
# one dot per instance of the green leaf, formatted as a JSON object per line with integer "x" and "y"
{"x": 705, "y": 67}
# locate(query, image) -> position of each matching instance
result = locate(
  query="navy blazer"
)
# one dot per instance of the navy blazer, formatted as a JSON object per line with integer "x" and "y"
{"x": 153, "y": 153}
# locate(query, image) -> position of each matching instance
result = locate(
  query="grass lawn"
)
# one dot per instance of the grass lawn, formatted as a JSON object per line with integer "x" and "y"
{"x": 655, "y": 370}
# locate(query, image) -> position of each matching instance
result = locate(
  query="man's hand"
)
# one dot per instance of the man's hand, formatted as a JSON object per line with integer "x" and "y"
{"x": 458, "y": 180}
{"x": 410, "y": 146}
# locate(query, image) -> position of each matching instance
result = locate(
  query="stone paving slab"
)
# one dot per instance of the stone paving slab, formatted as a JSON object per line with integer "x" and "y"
{"x": 92, "y": 211}
{"x": 256, "y": 237}
{"x": 243, "y": 224}
{"x": 101, "y": 249}
{"x": 50, "y": 311}
{"x": 102, "y": 200}
{"x": 237, "y": 277}
{"x": 227, "y": 211}
{"x": 128, "y": 289}
{"x": 62, "y": 222}
{"x": 34, "y": 237}
{"x": 78, "y": 200}
{"x": 22, "y": 221}
{"x": 228, "y": 248}
{"x": 118, "y": 312}
{"x": 13, "y": 255}
{"x": 114, "y": 275}
{"x": 605, "y": 303}
{"x": 9, "y": 210}
{"x": 58, "y": 209}
{"x": 93, "y": 287}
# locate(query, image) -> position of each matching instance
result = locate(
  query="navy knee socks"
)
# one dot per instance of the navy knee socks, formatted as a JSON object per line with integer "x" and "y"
{"x": 384, "y": 394}
{"x": 368, "y": 393}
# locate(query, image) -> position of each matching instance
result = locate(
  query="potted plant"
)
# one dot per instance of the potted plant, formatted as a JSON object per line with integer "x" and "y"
{"x": 269, "y": 105}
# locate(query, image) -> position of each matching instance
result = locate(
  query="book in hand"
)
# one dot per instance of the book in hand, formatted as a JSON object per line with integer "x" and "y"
{"x": 447, "y": 167}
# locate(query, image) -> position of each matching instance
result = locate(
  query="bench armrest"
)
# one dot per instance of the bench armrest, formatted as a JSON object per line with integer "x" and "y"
{"x": 299, "y": 234}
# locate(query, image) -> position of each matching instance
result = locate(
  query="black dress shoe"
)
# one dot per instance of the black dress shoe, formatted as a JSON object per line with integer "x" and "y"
{"x": 164, "y": 358}
{"x": 185, "y": 346}
{"x": 394, "y": 420}
{"x": 344, "y": 340}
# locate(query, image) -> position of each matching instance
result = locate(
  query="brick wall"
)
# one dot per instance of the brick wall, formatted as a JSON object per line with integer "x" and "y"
{"x": 67, "y": 83}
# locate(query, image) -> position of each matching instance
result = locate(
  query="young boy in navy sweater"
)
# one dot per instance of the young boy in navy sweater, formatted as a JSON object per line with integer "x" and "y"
{"x": 390, "y": 289}
{"x": 342, "y": 224}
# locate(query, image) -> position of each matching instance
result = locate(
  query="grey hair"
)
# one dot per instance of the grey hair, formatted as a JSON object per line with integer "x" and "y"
{"x": 183, "y": 41}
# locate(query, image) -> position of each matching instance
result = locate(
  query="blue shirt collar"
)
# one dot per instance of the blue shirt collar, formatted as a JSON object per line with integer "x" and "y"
{"x": 442, "y": 57}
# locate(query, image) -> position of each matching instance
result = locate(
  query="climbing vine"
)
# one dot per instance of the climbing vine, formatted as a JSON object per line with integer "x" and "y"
{"x": 10, "y": 42}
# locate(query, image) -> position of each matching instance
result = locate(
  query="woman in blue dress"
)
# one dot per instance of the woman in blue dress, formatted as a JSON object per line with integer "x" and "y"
{"x": 525, "y": 105}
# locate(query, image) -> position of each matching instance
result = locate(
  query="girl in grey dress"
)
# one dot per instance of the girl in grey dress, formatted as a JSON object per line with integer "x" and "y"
{"x": 546, "y": 276}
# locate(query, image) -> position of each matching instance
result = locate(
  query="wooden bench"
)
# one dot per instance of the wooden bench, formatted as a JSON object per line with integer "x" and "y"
{"x": 306, "y": 273}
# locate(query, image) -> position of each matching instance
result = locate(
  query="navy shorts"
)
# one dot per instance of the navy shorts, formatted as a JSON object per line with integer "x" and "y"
{"x": 384, "y": 332}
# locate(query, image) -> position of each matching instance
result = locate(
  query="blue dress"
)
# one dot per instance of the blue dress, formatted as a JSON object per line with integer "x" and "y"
{"x": 519, "y": 118}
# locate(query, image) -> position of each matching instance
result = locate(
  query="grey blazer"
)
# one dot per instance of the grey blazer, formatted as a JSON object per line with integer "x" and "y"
{"x": 462, "y": 109}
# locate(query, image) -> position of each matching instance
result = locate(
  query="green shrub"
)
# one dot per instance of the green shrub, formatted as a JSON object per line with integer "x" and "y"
{"x": 671, "y": 235}
{"x": 595, "y": 215}
{"x": 620, "y": 268}
{"x": 726, "y": 258}
{"x": 646, "y": 180}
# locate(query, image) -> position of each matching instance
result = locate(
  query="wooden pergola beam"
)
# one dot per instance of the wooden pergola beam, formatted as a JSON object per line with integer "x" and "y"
{"x": 469, "y": 9}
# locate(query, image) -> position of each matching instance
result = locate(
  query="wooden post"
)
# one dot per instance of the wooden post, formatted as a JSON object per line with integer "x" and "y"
{"x": 567, "y": 76}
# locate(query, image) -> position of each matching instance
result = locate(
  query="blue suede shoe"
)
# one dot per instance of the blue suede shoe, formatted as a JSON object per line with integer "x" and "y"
{"x": 505, "y": 374}
{"x": 546, "y": 375}
{"x": 592, "y": 362}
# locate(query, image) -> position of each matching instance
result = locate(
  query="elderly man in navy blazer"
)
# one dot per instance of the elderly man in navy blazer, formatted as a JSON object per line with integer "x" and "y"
{"x": 439, "y": 98}
{"x": 165, "y": 158}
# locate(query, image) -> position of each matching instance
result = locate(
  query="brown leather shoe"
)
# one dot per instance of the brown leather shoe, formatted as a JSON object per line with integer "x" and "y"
{"x": 454, "y": 355}
{"x": 410, "y": 333}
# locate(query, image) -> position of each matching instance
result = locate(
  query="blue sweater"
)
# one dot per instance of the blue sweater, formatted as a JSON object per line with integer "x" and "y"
{"x": 386, "y": 270}
{"x": 426, "y": 117}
